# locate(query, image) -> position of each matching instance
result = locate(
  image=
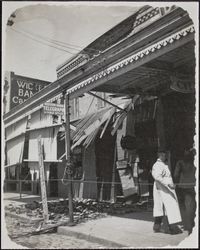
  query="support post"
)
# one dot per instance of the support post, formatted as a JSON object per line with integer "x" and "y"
{"x": 112, "y": 194}
{"x": 32, "y": 181}
{"x": 20, "y": 180}
{"x": 68, "y": 158}
{"x": 160, "y": 125}
{"x": 42, "y": 181}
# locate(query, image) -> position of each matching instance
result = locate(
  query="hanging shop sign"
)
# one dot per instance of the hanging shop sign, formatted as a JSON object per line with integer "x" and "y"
{"x": 53, "y": 108}
{"x": 22, "y": 88}
{"x": 182, "y": 84}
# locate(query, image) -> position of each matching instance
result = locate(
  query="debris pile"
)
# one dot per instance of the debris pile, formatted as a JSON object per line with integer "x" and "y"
{"x": 83, "y": 209}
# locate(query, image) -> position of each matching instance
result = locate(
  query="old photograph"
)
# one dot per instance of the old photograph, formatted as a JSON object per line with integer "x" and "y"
{"x": 100, "y": 125}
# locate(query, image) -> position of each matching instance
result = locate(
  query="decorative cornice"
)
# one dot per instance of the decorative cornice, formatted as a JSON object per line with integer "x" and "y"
{"x": 141, "y": 20}
{"x": 67, "y": 67}
{"x": 133, "y": 58}
{"x": 146, "y": 17}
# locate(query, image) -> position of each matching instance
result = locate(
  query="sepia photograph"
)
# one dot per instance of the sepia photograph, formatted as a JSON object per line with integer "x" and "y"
{"x": 99, "y": 125}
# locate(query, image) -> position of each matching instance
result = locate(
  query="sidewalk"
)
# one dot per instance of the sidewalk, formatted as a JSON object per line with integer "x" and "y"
{"x": 130, "y": 230}
{"x": 127, "y": 230}
{"x": 14, "y": 198}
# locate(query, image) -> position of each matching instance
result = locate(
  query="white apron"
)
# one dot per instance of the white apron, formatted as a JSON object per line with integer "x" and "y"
{"x": 163, "y": 195}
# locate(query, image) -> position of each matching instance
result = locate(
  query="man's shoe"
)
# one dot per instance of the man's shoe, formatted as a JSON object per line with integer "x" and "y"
{"x": 156, "y": 228}
{"x": 175, "y": 230}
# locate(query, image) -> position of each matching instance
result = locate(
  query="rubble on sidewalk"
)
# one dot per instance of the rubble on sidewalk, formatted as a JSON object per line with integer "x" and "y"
{"x": 85, "y": 208}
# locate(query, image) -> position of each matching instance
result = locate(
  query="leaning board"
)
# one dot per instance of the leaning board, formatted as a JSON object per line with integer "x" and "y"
{"x": 128, "y": 185}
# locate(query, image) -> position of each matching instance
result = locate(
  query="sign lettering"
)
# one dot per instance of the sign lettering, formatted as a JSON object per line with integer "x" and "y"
{"x": 23, "y": 88}
{"x": 53, "y": 108}
{"x": 182, "y": 84}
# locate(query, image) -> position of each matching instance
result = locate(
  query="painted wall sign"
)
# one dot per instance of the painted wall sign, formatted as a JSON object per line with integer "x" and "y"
{"x": 53, "y": 108}
{"x": 22, "y": 88}
{"x": 182, "y": 84}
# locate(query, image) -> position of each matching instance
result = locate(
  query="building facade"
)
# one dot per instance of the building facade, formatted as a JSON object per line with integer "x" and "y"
{"x": 145, "y": 66}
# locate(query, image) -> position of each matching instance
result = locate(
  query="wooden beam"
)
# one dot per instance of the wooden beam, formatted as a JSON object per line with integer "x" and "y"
{"x": 57, "y": 161}
{"x": 112, "y": 104}
{"x": 68, "y": 167}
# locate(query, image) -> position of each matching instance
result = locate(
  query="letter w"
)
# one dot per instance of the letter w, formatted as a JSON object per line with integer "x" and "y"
{"x": 21, "y": 84}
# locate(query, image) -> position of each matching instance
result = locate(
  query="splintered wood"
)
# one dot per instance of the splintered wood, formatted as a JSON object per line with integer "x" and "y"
{"x": 42, "y": 181}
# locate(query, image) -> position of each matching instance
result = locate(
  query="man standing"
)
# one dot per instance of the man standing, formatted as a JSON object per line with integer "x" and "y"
{"x": 164, "y": 196}
{"x": 184, "y": 175}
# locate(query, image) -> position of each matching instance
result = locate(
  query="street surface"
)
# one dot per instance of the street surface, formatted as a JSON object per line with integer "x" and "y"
{"x": 48, "y": 240}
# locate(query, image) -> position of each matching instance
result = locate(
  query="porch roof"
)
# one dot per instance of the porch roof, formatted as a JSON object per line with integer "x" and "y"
{"x": 145, "y": 70}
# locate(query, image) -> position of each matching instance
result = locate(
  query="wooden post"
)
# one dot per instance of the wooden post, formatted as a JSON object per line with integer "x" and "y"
{"x": 112, "y": 194}
{"x": 42, "y": 181}
{"x": 160, "y": 125}
{"x": 68, "y": 158}
{"x": 20, "y": 181}
{"x": 32, "y": 181}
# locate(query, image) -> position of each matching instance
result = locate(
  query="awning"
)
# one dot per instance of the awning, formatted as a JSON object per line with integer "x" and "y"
{"x": 48, "y": 139}
{"x": 15, "y": 137}
{"x": 14, "y": 150}
{"x": 16, "y": 129}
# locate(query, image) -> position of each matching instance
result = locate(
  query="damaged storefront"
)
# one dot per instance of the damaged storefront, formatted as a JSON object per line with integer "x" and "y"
{"x": 156, "y": 73}
{"x": 112, "y": 150}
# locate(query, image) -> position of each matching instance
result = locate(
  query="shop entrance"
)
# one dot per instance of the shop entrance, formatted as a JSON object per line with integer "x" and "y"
{"x": 147, "y": 152}
{"x": 104, "y": 151}
{"x": 179, "y": 123}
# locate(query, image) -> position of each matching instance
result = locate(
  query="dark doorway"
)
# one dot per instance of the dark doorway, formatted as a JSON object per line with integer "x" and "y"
{"x": 147, "y": 151}
{"x": 104, "y": 151}
{"x": 53, "y": 180}
{"x": 179, "y": 121}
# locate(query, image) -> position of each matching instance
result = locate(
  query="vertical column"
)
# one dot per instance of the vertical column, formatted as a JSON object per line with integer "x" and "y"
{"x": 112, "y": 194}
{"x": 20, "y": 180}
{"x": 42, "y": 181}
{"x": 47, "y": 178}
{"x": 32, "y": 181}
{"x": 17, "y": 178}
{"x": 68, "y": 157}
{"x": 160, "y": 125}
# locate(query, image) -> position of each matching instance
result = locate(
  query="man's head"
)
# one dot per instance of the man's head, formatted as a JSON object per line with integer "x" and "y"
{"x": 189, "y": 154}
{"x": 162, "y": 155}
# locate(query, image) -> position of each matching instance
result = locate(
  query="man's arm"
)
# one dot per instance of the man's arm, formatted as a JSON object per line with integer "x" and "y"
{"x": 158, "y": 175}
